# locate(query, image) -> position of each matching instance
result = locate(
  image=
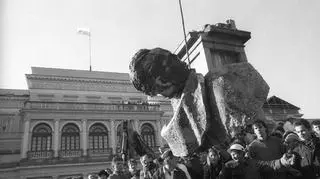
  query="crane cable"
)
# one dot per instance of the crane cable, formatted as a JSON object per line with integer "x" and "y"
{"x": 184, "y": 33}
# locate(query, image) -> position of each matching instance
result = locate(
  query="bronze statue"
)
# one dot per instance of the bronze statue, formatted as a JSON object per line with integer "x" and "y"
{"x": 206, "y": 109}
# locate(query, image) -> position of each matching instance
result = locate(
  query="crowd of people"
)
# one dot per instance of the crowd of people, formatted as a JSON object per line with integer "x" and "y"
{"x": 253, "y": 153}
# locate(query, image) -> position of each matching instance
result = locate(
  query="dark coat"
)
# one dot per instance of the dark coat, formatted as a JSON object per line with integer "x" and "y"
{"x": 117, "y": 175}
{"x": 177, "y": 174}
{"x": 148, "y": 173}
{"x": 249, "y": 169}
{"x": 270, "y": 149}
{"x": 307, "y": 158}
{"x": 212, "y": 172}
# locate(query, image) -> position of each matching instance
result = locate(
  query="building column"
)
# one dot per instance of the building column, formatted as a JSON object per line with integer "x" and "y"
{"x": 56, "y": 138}
{"x": 25, "y": 143}
{"x": 159, "y": 132}
{"x": 84, "y": 137}
{"x": 113, "y": 138}
{"x": 136, "y": 125}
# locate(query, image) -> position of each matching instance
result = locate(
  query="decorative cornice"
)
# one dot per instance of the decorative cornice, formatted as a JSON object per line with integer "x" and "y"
{"x": 76, "y": 79}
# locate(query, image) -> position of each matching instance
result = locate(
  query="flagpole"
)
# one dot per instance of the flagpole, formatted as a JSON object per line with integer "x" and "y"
{"x": 90, "y": 51}
{"x": 87, "y": 33}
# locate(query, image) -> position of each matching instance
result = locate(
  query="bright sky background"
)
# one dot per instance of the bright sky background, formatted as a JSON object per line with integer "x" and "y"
{"x": 284, "y": 47}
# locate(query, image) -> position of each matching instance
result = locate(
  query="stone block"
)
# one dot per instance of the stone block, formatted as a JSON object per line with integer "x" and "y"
{"x": 185, "y": 131}
{"x": 237, "y": 92}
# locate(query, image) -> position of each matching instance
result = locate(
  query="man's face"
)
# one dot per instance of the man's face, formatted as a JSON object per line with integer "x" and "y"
{"x": 213, "y": 157}
{"x": 145, "y": 161}
{"x": 237, "y": 155}
{"x": 166, "y": 89}
{"x": 132, "y": 166}
{"x": 316, "y": 129}
{"x": 302, "y": 132}
{"x": 169, "y": 163}
{"x": 117, "y": 166}
{"x": 260, "y": 131}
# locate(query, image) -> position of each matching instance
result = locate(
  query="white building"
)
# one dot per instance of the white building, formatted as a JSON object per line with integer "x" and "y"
{"x": 66, "y": 123}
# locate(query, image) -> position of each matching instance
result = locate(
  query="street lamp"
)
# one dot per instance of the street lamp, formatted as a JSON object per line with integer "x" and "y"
{"x": 86, "y": 32}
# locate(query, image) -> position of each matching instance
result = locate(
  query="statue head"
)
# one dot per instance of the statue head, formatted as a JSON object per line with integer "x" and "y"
{"x": 158, "y": 71}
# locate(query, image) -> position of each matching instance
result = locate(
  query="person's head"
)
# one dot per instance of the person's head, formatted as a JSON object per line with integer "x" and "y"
{"x": 276, "y": 134}
{"x": 260, "y": 129}
{"x": 213, "y": 156}
{"x": 290, "y": 139}
{"x": 93, "y": 176}
{"x": 103, "y": 174}
{"x": 203, "y": 157}
{"x": 316, "y": 126}
{"x": 158, "y": 71}
{"x": 169, "y": 161}
{"x": 146, "y": 160}
{"x": 303, "y": 129}
{"x": 132, "y": 165}
{"x": 237, "y": 152}
{"x": 117, "y": 164}
{"x": 279, "y": 129}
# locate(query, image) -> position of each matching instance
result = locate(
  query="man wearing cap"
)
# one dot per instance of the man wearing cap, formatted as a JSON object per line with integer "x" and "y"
{"x": 170, "y": 168}
{"x": 241, "y": 167}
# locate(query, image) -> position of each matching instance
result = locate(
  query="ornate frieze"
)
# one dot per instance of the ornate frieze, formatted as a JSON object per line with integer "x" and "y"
{"x": 78, "y": 84}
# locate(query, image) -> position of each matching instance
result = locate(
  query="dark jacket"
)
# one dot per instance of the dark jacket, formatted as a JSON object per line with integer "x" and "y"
{"x": 307, "y": 158}
{"x": 177, "y": 174}
{"x": 135, "y": 175}
{"x": 212, "y": 171}
{"x": 249, "y": 169}
{"x": 118, "y": 175}
{"x": 270, "y": 149}
{"x": 148, "y": 173}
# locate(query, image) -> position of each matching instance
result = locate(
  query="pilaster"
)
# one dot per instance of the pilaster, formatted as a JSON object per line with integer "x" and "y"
{"x": 113, "y": 137}
{"x": 25, "y": 140}
{"x": 159, "y": 132}
{"x": 136, "y": 125}
{"x": 56, "y": 137}
{"x": 84, "y": 137}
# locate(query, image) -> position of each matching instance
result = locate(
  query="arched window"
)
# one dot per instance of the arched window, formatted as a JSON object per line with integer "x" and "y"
{"x": 98, "y": 137}
{"x": 70, "y": 137}
{"x": 41, "y": 139}
{"x": 148, "y": 135}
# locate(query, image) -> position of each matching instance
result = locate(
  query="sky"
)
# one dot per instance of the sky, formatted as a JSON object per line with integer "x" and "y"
{"x": 284, "y": 45}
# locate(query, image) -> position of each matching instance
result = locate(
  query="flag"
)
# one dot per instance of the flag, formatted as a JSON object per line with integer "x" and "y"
{"x": 83, "y": 31}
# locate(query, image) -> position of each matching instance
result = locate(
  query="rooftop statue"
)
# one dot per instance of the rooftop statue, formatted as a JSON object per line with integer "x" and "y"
{"x": 206, "y": 109}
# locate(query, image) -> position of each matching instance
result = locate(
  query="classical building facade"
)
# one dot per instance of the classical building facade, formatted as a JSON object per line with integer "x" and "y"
{"x": 67, "y": 122}
{"x": 72, "y": 118}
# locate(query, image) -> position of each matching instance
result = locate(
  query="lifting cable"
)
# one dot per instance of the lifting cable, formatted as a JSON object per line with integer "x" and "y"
{"x": 184, "y": 33}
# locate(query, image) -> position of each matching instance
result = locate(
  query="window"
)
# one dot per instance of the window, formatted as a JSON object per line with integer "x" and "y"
{"x": 93, "y": 99}
{"x": 115, "y": 100}
{"x": 70, "y": 98}
{"x": 98, "y": 137}
{"x": 45, "y": 97}
{"x": 70, "y": 137}
{"x": 148, "y": 135}
{"x": 41, "y": 139}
